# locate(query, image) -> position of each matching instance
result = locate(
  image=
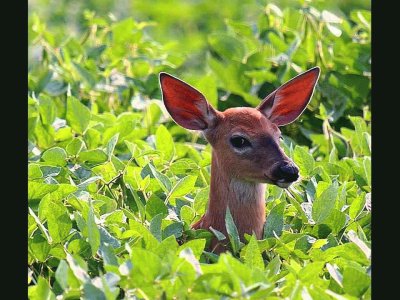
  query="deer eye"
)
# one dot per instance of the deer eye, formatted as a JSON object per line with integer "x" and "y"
{"x": 240, "y": 142}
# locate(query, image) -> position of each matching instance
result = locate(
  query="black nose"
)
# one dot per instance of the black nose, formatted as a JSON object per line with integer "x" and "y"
{"x": 287, "y": 171}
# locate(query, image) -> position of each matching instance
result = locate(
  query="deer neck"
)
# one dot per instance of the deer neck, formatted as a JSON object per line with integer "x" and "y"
{"x": 245, "y": 200}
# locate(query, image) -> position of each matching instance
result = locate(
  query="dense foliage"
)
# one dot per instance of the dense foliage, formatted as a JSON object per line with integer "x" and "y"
{"x": 114, "y": 183}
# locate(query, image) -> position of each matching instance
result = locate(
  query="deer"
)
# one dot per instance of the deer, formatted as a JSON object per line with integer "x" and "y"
{"x": 246, "y": 153}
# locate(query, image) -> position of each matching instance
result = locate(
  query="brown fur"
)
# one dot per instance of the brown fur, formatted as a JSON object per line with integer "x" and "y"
{"x": 239, "y": 185}
{"x": 238, "y": 175}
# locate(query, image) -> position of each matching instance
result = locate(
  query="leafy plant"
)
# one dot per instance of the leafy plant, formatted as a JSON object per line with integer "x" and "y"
{"x": 114, "y": 185}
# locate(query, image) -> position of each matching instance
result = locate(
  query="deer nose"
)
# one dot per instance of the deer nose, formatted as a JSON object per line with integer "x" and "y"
{"x": 287, "y": 171}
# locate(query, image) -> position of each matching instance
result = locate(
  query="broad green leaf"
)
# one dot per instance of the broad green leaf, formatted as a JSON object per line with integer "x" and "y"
{"x": 41, "y": 291}
{"x": 274, "y": 224}
{"x": 85, "y": 74}
{"x": 183, "y": 186}
{"x": 111, "y": 145}
{"x": 227, "y": 46}
{"x": 188, "y": 255}
{"x": 197, "y": 247}
{"x": 107, "y": 252}
{"x": 78, "y": 268}
{"x": 324, "y": 204}
{"x": 75, "y": 146}
{"x": 357, "y": 206}
{"x": 149, "y": 240}
{"x": 47, "y": 109}
{"x": 155, "y": 226}
{"x": 253, "y": 257}
{"x": 146, "y": 263}
{"x": 173, "y": 229}
{"x": 336, "y": 220}
{"x": 155, "y": 206}
{"x": 349, "y": 251}
{"x": 55, "y": 156}
{"x": 95, "y": 156}
{"x": 80, "y": 247}
{"x": 187, "y": 214}
{"x": 273, "y": 267}
{"x": 163, "y": 180}
{"x": 78, "y": 115}
{"x": 39, "y": 247}
{"x": 304, "y": 160}
{"x": 37, "y": 190}
{"x": 165, "y": 143}
{"x": 208, "y": 87}
{"x": 61, "y": 274}
{"x": 93, "y": 231}
{"x": 355, "y": 282}
{"x": 58, "y": 221}
{"x": 44, "y": 135}
{"x": 152, "y": 114}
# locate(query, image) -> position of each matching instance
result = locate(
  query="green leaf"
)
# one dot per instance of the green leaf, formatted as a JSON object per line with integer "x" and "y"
{"x": 77, "y": 266}
{"x": 355, "y": 282}
{"x": 197, "y": 247}
{"x": 85, "y": 74}
{"x": 163, "y": 180}
{"x": 95, "y": 156}
{"x": 93, "y": 231}
{"x": 165, "y": 143}
{"x": 78, "y": 115}
{"x": 173, "y": 229}
{"x": 273, "y": 267}
{"x": 187, "y": 214}
{"x": 41, "y": 291}
{"x": 357, "y": 206}
{"x": 227, "y": 46}
{"x": 324, "y": 204}
{"x": 34, "y": 171}
{"x": 107, "y": 252}
{"x": 253, "y": 257}
{"x": 232, "y": 231}
{"x": 58, "y": 221}
{"x": 75, "y": 146}
{"x": 47, "y": 109}
{"x": 44, "y": 135}
{"x": 80, "y": 247}
{"x": 111, "y": 145}
{"x": 155, "y": 227}
{"x": 207, "y": 85}
{"x": 188, "y": 255}
{"x": 183, "y": 186}
{"x": 37, "y": 190}
{"x": 61, "y": 274}
{"x": 39, "y": 247}
{"x": 146, "y": 263}
{"x": 155, "y": 206}
{"x": 152, "y": 114}
{"x": 274, "y": 223}
{"x": 218, "y": 234}
{"x": 336, "y": 220}
{"x": 304, "y": 160}
{"x": 55, "y": 156}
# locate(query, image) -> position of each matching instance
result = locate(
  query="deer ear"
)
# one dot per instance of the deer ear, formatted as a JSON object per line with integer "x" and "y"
{"x": 186, "y": 105}
{"x": 288, "y": 102}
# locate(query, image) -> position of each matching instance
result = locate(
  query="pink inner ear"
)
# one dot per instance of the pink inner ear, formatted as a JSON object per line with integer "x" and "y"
{"x": 291, "y": 99}
{"x": 186, "y": 105}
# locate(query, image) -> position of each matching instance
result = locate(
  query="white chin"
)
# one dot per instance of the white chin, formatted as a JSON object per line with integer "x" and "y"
{"x": 283, "y": 184}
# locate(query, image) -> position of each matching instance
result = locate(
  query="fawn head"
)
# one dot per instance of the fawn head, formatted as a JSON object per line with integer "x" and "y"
{"x": 245, "y": 140}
